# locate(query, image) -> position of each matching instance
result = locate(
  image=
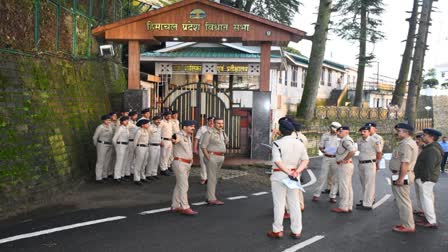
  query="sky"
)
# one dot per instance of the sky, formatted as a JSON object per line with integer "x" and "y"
{"x": 387, "y": 51}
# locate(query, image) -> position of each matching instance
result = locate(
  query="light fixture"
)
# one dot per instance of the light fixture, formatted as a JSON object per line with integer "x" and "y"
{"x": 107, "y": 50}
{"x": 224, "y": 40}
{"x": 176, "y": 39}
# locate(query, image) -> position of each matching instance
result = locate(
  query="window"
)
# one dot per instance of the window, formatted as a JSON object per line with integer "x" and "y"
{"x": 294, "y": 77}
{"x": 329, "y": 73}
{"x": 322, "y": 77}
{"x": 303, "y": 77}
{"x": 286, "y": 76}
{"x": 280, "y": 77}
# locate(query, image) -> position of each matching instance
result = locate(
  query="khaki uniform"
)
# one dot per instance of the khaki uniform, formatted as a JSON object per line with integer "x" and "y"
{"x": 167, "y": 148}
{"x": 345, "y": 173}
{"x": 380, "y": 141}
{"x": 405, "y": 152}
{"x": 131, "y": 148}
{"x": 153, "y": 150}
{"x": 302, "y": 138}
{"x": 291, "y": 152}
{"x": 113, "y": 155}
{"x": 121, "y": 142}
{"x": 214, "y": 141}
{"x": 141, "y": 153}
{"x": 183, "y": 158}
{"x": 176, "y": 128}
{"x": 199, "y": 136}
{"x": 328, "y": 170}
{"x": 367, "y": 167}
{"x": 102, "y": 139}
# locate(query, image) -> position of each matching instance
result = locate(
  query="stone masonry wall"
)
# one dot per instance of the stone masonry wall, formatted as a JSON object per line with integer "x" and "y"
{"x": 49, "y": 109}
{"x": 440, "y": 111}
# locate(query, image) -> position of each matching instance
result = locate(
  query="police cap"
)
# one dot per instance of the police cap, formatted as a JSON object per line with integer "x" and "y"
{"x": 124, "y": 118}
{"x": 286, "y": 125}
{"x": 142, "y": 121}
{"x": 133, "y": 113}
{"x": 105, "y": 117}
{"x": 432, "y": 132}
{"x": 365, "y": 127}
{"x": 146, "y": 110}
{"x": 344, "y": 128}
{"x": 404, "y": 126}
{"x": 335, "y": 125}
{"x": 187, "y": 123}
{"x": 156, "y": 118}
{"x": 371, "y": 124}
{"x": 167, "y": 113}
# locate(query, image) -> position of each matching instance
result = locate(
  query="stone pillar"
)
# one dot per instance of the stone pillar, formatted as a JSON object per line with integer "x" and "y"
{"x": 261, "y": 125}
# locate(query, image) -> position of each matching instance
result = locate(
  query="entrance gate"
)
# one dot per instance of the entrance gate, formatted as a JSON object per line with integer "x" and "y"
{"x": 197, "y": 101}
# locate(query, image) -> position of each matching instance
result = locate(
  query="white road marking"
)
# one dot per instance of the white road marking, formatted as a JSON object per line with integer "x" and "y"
{"x": 53, "y": 230}
{"x": 199, "y": 203}
{"x": 237, "y": 197}
{"x": 381, "y": 201}
{"x": 389, "y": 181}
{"x": 156, "y": 211}
{"x": 304, "y": 243}
{"x": 259, "y": 193}
{"x": 312, "y": 176}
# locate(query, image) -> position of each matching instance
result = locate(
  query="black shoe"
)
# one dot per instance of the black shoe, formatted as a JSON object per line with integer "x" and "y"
{"x": 145, "y": 181}
{"x": 139, "y": 183}
{"x": 155, "y": 177}
{"x": 165, "y": 173}
{"x": 100, "y": 181}
{"x": 169, "y": 169}
{"x": 363, "y": 208}
{"x": 127, "y": 178}
{"x": 359, "y": 204}
{"x": 150, "y": 178}
{"x": 118, "y": 181}
{"x": 326, "y": 191}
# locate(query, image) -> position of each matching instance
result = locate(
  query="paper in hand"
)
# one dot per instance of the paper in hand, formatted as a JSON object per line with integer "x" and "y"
{"x": 293, "y": 184}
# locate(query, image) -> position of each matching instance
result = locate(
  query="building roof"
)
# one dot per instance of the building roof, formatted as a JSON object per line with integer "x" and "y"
{"x": 305, "y": 60}
{"x": 206, "y": 52}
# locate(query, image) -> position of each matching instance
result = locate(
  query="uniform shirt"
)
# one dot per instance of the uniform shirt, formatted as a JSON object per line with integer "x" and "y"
{"x": 380, "y": 141}
{"x": 121, "y": 135}
{"x": 444, "y": 146}
{"x": 290, "y": 151}
{"x": 368, "y": 148}
{"x": 215, "y": 140}
{"x": 183, "y": 148}
{"x": 347, "y": 145}
{"x": 329, "y": 143}
{"x": 175, "y": 124}
{"x": 132, "y": 129}
{"x": 155, "y": 134}
{"x": 103, "y": 133}
{"x": 113, "y": 125}
{"x": 301, "y": 137}
{"x": 406, "y": 151}
{"x": 142, "y": 137}
{"x": 167, "y": 129}
{"x": 201, "y": 132}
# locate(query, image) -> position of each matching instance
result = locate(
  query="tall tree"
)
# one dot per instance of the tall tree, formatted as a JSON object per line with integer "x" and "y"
{"x": 417, "y": 67}
{"x": 400, "y": 83}
{"x": 308, "y": 101}
{"x": 359, "y": 21}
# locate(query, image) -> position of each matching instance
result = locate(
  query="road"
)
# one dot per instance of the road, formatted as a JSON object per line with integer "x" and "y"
{"x": 239, "y": 225}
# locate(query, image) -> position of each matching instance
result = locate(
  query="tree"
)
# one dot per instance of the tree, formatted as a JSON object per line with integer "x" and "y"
{"x": 431, "y": 74}
{"x": 359, "y": 21}
{"x": 417, "y": 67}
{"x": 308, "y": 101}
{"x": 400, "y": 83}
{"x": 430, "y": 83}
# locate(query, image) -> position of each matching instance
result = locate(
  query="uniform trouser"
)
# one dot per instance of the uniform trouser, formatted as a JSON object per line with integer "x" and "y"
{"x": 202, "y": 160}
{"x": 141, "y": 154}
{"x": 328, "y": 171}
{"x": 103, "y": 152}
{"x": 111, "y": 165}
{"x": 165, "y": 153}
{"x": 402, "y": 196}
{"x": 425, "y": 199}
{"x": 345, "y": 173}
{"x": 444, "y": 158}
{"x": 122, "y": 152}
{"x": 180, "y": 193}
{"x": 214, "y": 165}
{"x": 280, "y": 195}
{"x": 367, "y": 175}
{"x": 300, "y": 197}
{"x": 153, "y": 160}
{"x": 130, "y": 161}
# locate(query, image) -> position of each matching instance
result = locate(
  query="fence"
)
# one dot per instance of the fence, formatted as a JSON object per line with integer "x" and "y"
{"x": 333, "y": 112}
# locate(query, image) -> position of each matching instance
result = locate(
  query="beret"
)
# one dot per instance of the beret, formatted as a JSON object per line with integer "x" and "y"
{"x": 105, "y": 117}
{"x": 404, "y": 126}
{"x": 286, "y": 125}
{"x": 167, "y": 113}
{"x": 344, "y": 128}
{"x": 335, "y": 125}
{"x": 188, "y": 123}
{"x": 432, "y": 132}
{"x": 156, "y": 118}
{"x": 370, "y": 124}
{"x": 124, "y": 118}
{"x": 297, "y": 126}
{"x": 365, "y": 127}
{"x": 133, "y": 113}
{"x": 174, "y": 112}
{"x": 112, "y": 113}
{"x": 210, "y": 118}
{"x": 146, "y": 110}
{"x": 142, "y": 121}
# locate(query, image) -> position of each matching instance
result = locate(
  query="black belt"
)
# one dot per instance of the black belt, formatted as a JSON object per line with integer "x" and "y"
{"x": 104, "y": 142}
{"x": 131, "y": 140}
{"x": 142, "y": 145}
{"x": 124, "y": 143}
{"x": 154, "y": 144}
{"x": 167, "y": 139}
{"x": 367, "y": 161}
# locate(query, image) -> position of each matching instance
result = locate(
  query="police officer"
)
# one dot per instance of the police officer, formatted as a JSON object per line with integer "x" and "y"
{"x": 379, "y": 140}
{"x": 145, "y": 114}
{"x": 402, "y": 164}
{"x": 141, "y": 151}
{"x": 344, "y": 153}
{"x": 328, "y": 144}
{"x": 175, "y": 123}
{"x": 199, "y": 136}
{"x": 102, "y": 139}
{"x": 114, "y": 123}
{"x": 214, "y": 148}
{"x": 167, "y": 145}
{"x": 154, "y": 148}
{"x": 183, "y": 158}
{"x": 290, "y": 158}
{"x": 369, "y": 149}
{"x": 132, "y": 127}
{"x": 121, "y": 142}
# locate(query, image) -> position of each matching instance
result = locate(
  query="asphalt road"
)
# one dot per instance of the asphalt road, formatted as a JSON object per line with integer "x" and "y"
{"x": 239, "y": 225}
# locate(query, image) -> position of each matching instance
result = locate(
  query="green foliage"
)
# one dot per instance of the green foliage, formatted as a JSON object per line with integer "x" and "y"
{"x": 430, "y": 83}
{"x": 431, "y": 74}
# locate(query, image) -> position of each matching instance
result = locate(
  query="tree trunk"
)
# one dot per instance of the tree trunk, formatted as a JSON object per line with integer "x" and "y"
{"x": 400, "y": 83}
{"x": 417, "y": 66}
{"x": 308, "y": 102}
{"x": 362, "y": 60}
